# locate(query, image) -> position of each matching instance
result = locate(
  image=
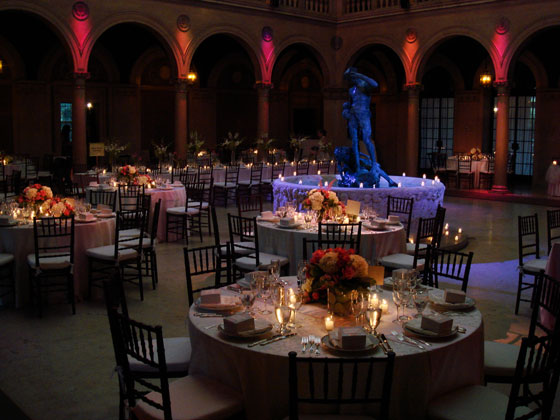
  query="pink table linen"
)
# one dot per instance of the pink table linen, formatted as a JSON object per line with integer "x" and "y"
{"x": 19, "y": 241}
{"x": 260, "y": 373}
{"x": 553, "y": 270}
{"x": 174, "y": 197}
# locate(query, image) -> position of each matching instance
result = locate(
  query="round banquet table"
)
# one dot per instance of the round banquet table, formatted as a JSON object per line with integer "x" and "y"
{"x": 18, "y": 240}
{"x": 289, "y": 242}
{"x": 477, "y": 166}
{"x": 174, "y": 196}
{"x": 260, "y": 373}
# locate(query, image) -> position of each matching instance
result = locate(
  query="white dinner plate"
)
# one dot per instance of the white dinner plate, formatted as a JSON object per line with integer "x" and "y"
{"x": 94, "y": 219}
{"x": 331, "y": 344}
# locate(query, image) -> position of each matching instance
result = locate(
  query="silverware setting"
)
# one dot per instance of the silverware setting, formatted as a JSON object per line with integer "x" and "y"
{"x": 207, "y": 315}
{"x": 212, "y": 326}
{"x": 402, "y": 338}
{"x": 386, "y": 343}
{"x": 256, "y": 343}
{"x": 304, "y": 341}
{"x": 274, "y": 340}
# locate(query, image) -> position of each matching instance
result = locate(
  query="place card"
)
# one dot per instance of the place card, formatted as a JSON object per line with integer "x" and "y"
{"x": 352, "y": 337}
{"x": 353, "y": 208}
{"x": 210, "y": 296}
{"x": 239, "y": 323}
{"x": 437, "y": 323}
{"x": 454, "y": 296}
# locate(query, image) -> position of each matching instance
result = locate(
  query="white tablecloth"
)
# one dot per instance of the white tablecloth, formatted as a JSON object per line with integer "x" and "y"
{"x": 477, "y": 166}
{"x": 260, "y": 373}
{"x": 19, "y": 241}
{"x": 289, "y": 242}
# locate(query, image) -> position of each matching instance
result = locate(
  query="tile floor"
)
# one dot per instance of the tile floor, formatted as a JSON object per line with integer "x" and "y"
{"x": 60, "y": 367}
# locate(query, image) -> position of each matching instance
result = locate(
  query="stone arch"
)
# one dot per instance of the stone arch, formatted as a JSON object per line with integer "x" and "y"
{"x": 515, "y": 47}
{"x": 140, "y": 64}
{"x": 239, "y": 36}
{"x": 169, "y": 43}
{"x": 314, "y": 49}
{"x": 10, "y": 54}
{"x": 450, "y": 67}
{"x": 298, "y": 68}
{"x": 349, "y": 58}
{"x": 536, "y": 67}
{"x": 422, "y": 56}
{"x": 59, "y": 27}
{"x": 218, "y": 69}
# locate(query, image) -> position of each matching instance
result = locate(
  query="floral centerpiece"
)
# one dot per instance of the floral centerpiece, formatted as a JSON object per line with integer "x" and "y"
{"x": 161, "y": 151}
{"x": 58, "y": 207}
{"x": 325, "y": 203}
{"x": 476, "y": 154}
{"x": 34, "y": 196}
{"x": 264, "y": 145}
{"x": 231, "y": 143}
{"x": 333, "y": 274}
{"x": 296, "y": 144}
{"x": 113, "y": 150}
{"x": 127, "y": 174}
{"x": 143, "y": 179}
{"x": 195, "y": 144}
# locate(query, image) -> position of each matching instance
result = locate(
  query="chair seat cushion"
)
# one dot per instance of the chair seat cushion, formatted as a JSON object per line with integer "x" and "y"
{"x": 197, "y": 204}
{"x": 471, "y": 403}
{"x": 180, "y": 211}
{"x": 241, "y": 251}
{"x": 131, "y": 232}
{"x": 500, "y": 359}
{"x": 245, "y": 182}
{"x": 411, "y": 248}
{"x": 535, "y": 266}
{"x": 248, "y": 263}
{"x": 401, "y": 261}
{"x": 193, "y": 397}
{"x": 7, "y": 259}
{"x": 132, "y": 243}
{"x": 107, "y": 253}
{"x": 177, "y": 356}
{"x": 53, "y": 263}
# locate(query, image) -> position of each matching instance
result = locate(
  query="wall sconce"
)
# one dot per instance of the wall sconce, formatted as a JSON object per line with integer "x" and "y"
{"x": 89, "y": 105}
{"x": 191, "y": 77}
{"x": 485, "y": 79}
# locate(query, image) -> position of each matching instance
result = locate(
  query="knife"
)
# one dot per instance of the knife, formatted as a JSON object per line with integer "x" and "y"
{"x": 381, "y": 343}
{"x": 389, "y": 348}
{"x": 263, "y": 340}
{"x": 275, "y": 339}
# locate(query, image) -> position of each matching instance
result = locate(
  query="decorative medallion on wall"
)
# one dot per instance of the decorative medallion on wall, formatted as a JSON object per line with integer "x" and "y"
{"x": 336, "y": 43}
{"x": 80, "y": 10}
{"x": 183, "y": 23}
{"x": 267, "y": 34}
{"x": 411, "y": 35}
{"x": 502, "y": 26}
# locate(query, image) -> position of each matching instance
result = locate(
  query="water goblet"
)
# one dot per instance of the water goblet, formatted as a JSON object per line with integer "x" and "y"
{"x": 359, "y": 304}
{"x": 263, "y": 290}
{"x": 397, "y": 298}
{"x": 294, "y": 301}
{"x": 373, "y": 316}
{"x": 283, "y": 314}
{"x": 420, "y": 298}
{"x": 301, "y": 272}
{"x": 308, "y": 217}
{"x": 248, "y": 299}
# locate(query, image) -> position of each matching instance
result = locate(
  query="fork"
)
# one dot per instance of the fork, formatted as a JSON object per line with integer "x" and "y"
{"x": 311, "y": 340}
{"x": 401, "y": 337}
{"x": 304, "y": 341}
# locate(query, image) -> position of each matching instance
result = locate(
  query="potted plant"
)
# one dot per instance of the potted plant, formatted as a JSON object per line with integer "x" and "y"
{"x": 264, "y": 145}
{"x": 231, "y": 143}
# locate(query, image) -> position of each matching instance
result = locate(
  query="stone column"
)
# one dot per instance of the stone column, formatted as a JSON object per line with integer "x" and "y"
{"x": 502, "y": 137}
{"x": 263, "y": 98}
{"x": 333, "y": 122}
{"x": 413, "y": 128}
{"x": 181, "y": 118}
{"x": 79, "y": 143}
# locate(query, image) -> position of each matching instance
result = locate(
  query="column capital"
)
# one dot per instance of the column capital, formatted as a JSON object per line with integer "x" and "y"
{"x": 413, "y": 87}
{"x": 263, "y": 85}
{"x": 503, "y": 87}
{"x": 181, "y": 84}
{"x": 81, "y": 75}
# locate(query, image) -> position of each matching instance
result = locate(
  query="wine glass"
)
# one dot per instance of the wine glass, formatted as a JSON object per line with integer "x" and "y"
{"x": 359, "y": 305}
{"x": 373, "y": 316}
{"x": 294, "y": 300}
{"x": 283, "y": 314}
{"x": 397, "y": 298}
{"x": 308, "y": 217}
{"x": 420, "y": 298}
{"x": 263, "y": 290}
{"x": 248, "y": 299}
{"x": 405, "y": 297}
{"x": 301, "y": 272}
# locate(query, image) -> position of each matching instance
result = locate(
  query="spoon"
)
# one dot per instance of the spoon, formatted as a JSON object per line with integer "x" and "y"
{"x": 406, "y": 339}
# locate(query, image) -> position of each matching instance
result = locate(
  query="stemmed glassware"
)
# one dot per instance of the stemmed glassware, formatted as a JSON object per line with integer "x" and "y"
{"x": 401, "y": 297}
{"x": 301, "y": 272}
{"x": 283, "y": 314}
{"x": 263, "y": 290}
{"x": 373, "y": 316}
{"x": 308, "y": 218}
{"x": 359, "y": 303}
{"x": 420, "y": 299}
{"x": 248, "y": 299}
{"x": 294, "y": 300}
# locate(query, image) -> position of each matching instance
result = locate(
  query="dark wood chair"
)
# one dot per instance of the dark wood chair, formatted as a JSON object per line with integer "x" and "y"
{"x": 340, "y": 382}
{"x": 312, "y": 245}
{"x": 552, "y": 227}
{"x": 452, "y": 265}
{"x": 50, "y": 267}
{"x": 254, "y": 184}
{"x": 7, "y": 279}
{"x": 464, "y": 171}
{"x": 227, "y": 190}
{"x": 528, "y": 245}
{"x": 252, "y": 204}
{"x": 487, "y": 177}
{"x": 324, "y": 167}
{"x": 130, "y": 197}
{"x": 189, "y": 215}
{"x": 144, "y": 344}
{"x": 302, "y": 167}
{"x": 107, "y": 198}
{"x": 401, "y": 207}
{"x": 350, "y": 232}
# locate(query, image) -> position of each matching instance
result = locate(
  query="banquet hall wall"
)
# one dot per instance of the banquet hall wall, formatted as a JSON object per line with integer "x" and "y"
{"x": 333, "y": 41}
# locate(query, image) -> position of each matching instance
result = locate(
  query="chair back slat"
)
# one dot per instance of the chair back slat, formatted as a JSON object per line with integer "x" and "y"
{"x": 249, "y": 204}
{"x": 451, "y": 265}
{"x": 130, "y": 196}
{"x": 53, "y": 238}
{"x": 314, "y": 244}
{"x": 401, "y": 206}
{"x": 528, "y": 237}
{"x": 324, "y": 166}
{"x": 108, "y": 198}
{"x": 464, "y": 164}
{"x": 198, "y": 261}
{"x": 278, "y": 170}
{"x": 205, "y": 173}
{"x": 232, "y": 175}
{"x": 553, "y": 227}
{"x": 350, "y": 232}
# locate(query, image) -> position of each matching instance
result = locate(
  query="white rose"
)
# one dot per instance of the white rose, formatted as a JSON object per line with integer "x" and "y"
{"x": 132, "y": 170}
{"x": 48, "y": 192}
{"x": 31, "y": 193}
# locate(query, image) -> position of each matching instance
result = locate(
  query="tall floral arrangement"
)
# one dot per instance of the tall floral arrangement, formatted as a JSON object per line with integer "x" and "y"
{"x": 161, "y": 151}
{"x": 263, "y": 145}
{"x": 337, "y": 270}
{"x": 127, "y": 174}
{"x": 35, "y": 195}
{"x": 296, "y": 144}
{"x": 231, "y": 143}
{"x": 195, "y": 143}
{"x": 476, "y": 154}
{"x": 113, "y": 150}
{"x": 325, "y": 202}
{"x": 143, "y": 179}
{"x": 58, "y": 207}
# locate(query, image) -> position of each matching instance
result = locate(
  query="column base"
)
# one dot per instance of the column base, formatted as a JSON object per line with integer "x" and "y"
{"x": 500, "y": 189}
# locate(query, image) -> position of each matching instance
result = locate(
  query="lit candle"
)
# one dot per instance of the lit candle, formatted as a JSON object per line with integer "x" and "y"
{"x": 459, "y": 230}
{"x": 361, "y": 185}
{"x": 295, "y": 173}
{"x": 399, "y": 185}
{"x": 403, "y": 174}
{"x": 275, "y": 163}
{"x": 373, "y": 186}
{"x": 314, "y": 162}
{"x": 422, "y": 184}
{"x": 554, "y": 162}
{"x": 170, "y": 169}
{"x": 329, "y": 323}
{"x": 446, "y": 226}
{"x": 384, "y": 306}
{"x": 424, "y": 176}
{"x": 256, "y": 152}
{"x": 373, "y": 300}
{"x": 281, "y": 178}
{"x": 446, "y": 233}
{"x": 326, "y": 184}
{"x": 105, "y": 171}
{"x": 433, "y": 182}
{"x": 300, "y": 182}
{"x": 411, "y": 240}
{"x": 319, "y": 172}
{"x": 456, "y": 238}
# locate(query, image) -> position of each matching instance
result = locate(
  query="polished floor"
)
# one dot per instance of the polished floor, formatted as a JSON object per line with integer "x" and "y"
{"x": 61, "y": 366}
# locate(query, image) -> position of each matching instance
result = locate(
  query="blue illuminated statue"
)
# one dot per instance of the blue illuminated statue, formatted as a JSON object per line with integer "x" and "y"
{"x": 354, "y": 166}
